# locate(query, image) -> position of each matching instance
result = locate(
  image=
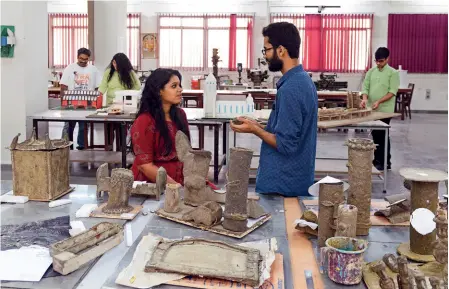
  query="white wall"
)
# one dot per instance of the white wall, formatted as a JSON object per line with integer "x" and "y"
{"x": 23, "y": 77}
{"x": 437, "y": 83}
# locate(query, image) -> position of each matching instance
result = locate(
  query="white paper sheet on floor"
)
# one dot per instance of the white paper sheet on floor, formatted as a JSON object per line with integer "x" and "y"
{"x": 24, "y": 264}
{"x": 134, "y": 275}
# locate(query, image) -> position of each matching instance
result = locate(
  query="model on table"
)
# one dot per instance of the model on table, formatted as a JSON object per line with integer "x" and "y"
{"x": 379, "y": 92}
{"x": 118, "y": 76}
{"x": 79, "y": 76}
{"x": 287, "y": 155}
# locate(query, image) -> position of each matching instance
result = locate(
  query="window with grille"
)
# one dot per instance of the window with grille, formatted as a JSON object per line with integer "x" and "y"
{"x": 333, "y": 42}
{"x": 67, "y": 32}
{"x": 186, "y": 41}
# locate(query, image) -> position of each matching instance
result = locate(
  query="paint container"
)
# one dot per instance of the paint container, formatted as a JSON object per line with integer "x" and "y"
{"x": 342, "y": 259}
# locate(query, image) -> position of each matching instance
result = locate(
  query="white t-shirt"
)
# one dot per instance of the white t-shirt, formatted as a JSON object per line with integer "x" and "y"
{"x": 81, "y": 78}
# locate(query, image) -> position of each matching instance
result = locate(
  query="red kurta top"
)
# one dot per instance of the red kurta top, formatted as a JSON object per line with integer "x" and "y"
{"x": 148, "y": 147}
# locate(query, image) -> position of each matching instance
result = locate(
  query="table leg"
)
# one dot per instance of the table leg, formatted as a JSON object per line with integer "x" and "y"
{"x": 91, "y": 135}
{"x": 386, "y": 160}
{"x": 225, "y": 139}
{"x": 201, "y": 136}
{"x": 123, "y": 143}
{"x": 216, "y": 147}
{"x": 35, "y": 127}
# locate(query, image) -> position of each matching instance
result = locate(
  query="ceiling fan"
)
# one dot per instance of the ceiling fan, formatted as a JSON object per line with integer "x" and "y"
{"x": 321, "y": 7}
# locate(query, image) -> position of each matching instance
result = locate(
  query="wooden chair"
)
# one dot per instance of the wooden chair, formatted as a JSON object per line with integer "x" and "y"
{"x": 404, "y": 101}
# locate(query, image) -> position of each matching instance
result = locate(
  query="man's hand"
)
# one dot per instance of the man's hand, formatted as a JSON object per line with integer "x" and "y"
{"x": 247, "y": 126}
{"x": 375, "y": 105}
{"x": 363, "y": 103}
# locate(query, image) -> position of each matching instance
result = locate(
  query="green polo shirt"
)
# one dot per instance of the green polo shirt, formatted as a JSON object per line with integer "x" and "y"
{"x": 380, "y": 82}
{"x": 115, "y": 85}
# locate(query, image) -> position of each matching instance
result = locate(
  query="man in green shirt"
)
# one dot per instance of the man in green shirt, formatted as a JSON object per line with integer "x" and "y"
{"x": 379, "y": 92}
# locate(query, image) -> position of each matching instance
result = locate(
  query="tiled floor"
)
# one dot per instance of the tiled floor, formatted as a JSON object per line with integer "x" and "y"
{"x": 420, "y": 142}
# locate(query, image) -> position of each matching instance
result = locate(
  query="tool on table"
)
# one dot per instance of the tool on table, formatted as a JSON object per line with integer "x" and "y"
{"x": 309, "y": 279}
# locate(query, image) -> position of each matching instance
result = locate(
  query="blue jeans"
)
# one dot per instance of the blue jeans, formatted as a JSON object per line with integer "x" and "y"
{"x": 69, "y": 127}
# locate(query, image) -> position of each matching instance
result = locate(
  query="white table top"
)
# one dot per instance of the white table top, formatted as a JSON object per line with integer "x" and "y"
{"x": 272, "y": 91}
{"x": 81, "y": 115}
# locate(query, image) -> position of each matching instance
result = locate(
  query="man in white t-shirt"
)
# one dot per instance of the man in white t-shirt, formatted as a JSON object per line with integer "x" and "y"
{"x": 79, "y": 76}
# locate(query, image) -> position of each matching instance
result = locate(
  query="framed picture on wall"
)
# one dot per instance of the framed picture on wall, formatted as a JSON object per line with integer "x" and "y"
{"x": 149, "y": 45}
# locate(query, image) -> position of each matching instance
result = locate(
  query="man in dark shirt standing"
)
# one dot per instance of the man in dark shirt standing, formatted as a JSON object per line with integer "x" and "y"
{"x": 287, "y": 155}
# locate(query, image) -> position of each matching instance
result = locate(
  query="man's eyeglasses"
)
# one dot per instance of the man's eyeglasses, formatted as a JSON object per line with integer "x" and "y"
{"x": 264, "y": 51}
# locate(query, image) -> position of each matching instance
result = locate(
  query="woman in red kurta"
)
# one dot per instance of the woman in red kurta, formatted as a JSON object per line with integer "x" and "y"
{"x": 153, "y": 132}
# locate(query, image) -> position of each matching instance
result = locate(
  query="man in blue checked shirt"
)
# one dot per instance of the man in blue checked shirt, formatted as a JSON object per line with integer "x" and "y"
{"x": 287, "y": 155}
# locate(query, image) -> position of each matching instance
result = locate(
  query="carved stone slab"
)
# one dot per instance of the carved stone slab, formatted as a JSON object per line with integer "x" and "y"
{"x": 206, "y": 258}
{"x": 72, "y": 253}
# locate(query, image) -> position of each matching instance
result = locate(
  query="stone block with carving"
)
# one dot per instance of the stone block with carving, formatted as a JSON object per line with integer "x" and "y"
{"x": 40, "y": 168}
{"x": 208, "y": 214}
{"x": 147, "y": 189}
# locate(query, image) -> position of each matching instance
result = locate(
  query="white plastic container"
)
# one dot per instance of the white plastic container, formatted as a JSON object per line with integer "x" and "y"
{"x": 210, "y": 96}
{"x": 403, "y": 78}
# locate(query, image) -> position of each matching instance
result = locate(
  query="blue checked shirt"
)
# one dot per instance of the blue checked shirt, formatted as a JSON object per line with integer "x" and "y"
{"x": 289, "y": 169}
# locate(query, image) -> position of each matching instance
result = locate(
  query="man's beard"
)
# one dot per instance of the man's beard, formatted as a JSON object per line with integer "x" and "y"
{"x": 275, "y": 64}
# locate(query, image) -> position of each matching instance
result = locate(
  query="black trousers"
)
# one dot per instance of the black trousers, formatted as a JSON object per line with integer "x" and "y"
{"x": 379, "y": 140}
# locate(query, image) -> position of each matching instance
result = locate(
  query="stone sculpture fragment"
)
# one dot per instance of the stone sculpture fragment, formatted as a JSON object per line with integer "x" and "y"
{"x": 208, "y": 214}
{"x": 236, "y": 214}
{"x": 172, "y": 198}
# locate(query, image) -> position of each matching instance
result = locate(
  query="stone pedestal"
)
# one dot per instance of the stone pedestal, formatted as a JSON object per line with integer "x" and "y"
{"x": 235, "y": 214}
{"x": 360, "y": 157}
{"x": 424, "y": 194}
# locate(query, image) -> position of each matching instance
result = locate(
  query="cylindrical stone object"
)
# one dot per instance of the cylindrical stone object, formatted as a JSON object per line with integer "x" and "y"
{"x": 330, "y": 196}
{"x": 237, "y": 194}
{"x": 424, "y": 195}
{"x": 360, "y": 157}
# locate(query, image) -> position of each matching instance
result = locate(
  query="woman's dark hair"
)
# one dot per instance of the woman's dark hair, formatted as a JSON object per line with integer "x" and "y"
{"x": 151, "y": 103}
{"x": 124, "y": 68}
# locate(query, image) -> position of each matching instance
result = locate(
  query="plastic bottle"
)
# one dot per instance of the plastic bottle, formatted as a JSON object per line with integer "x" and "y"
{"x": 210, "y": 96}
{"x": 249, "y": 104}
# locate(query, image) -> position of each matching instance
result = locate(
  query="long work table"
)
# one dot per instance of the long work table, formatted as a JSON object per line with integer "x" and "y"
{"x": 194, "y": 117}
{"x": 300, "y": 252}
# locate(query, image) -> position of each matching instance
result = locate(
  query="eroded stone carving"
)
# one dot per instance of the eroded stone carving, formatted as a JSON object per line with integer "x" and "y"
{"x": 196, "y": 168}
{"x": 213, "y": 259}
{"x": 420, "y": 280}
{"x": 391, "y": 262}
{"x": 360, "y": 155}
{"x": 172, "y": 198}
{"x": 385, "y": 281}
{"x": 147, "y": 189}
{"x": 72, "y": 253}
{"x": 440, "y": 249}
{"x": 121, "y": 184}
{"x": 436, "y": 283}
{"x": 254, "y": 209}
{"x": 346, "y": 221}
{"x": 40, "y": 167}
{"x": 403, "y": 276}
{"x": 330, "y": 196}
{"x": 398, "y": 210}
{"x": 208, "y": 214}
{"x": 235, "y": 214}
